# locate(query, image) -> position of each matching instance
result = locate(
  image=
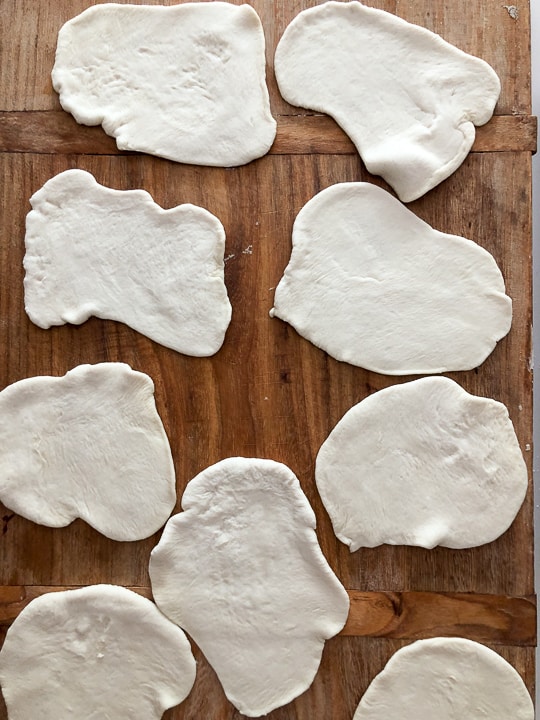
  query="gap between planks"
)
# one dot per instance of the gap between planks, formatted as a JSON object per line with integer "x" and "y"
{"x": 493, "y": 619}
{"x": 56, "y": 132}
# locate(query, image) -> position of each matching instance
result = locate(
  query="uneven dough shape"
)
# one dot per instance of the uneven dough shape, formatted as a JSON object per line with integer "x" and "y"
{"x": 375, "y": 286}
{"x": 408, "y": 100}
{"x": 87, "y": 445}
{"x": 115, "y": 254}
{"x": 96, "y": 652}
{"x": 242, "y": 572}
{"x": 185, "y": 82}
{"x": 446, "y": 679}
{"x": 423, "y": 463}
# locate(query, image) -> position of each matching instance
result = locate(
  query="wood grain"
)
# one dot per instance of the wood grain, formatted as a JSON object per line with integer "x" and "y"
{"x": 55, "y": 131}
{"x": 268, "y": 392}
{"x": 496, "y": 619}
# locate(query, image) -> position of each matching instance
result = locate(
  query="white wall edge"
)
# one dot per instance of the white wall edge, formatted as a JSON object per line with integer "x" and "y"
{"x": 535, "y": 47}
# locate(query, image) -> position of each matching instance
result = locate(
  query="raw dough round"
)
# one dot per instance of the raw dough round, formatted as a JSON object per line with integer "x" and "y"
{"x": 446, "y": 679}
{"x": 96, "y": 652}
{"x": 408, "y": 99}
{"x": 87, "y": 445}
{"x": 423, "y": 463}
{"x": 242, "y": 572}
{"x": 117, "y": 255}
{"x": 375, "y": 286}
{"x": 185, "y": 82}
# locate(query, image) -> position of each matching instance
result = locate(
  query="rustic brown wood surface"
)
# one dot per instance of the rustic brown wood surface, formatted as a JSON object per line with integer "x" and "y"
{"x": 268, "y": 392}
{"x": 54, "y": 131}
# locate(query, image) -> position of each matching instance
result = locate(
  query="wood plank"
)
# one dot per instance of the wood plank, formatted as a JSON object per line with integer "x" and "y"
{"x": 14, "y": 598}
{"x": 320, "y": 134}
{"x": 495, "y": 619}
{"x": 57, "y": 132}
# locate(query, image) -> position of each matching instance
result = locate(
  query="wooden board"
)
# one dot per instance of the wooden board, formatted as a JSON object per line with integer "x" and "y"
{"x": 268, "y": 392}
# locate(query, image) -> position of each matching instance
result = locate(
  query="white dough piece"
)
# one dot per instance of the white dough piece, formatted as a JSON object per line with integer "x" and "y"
{"x": 185, "y": 82}
{"x": 115, "y": 254}
{"x": 242, "y": 572}
{"x": 95, "y": 652}
{"x": 408, "y": 100}
{"x": 373, "y": 285}
{"x": 446, "y": 679}
{"x": 423, "y": 463}
{"x": 87, "y": 445}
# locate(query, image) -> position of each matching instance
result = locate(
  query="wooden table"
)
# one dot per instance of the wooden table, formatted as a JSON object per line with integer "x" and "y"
{"x": 268, "y": 392}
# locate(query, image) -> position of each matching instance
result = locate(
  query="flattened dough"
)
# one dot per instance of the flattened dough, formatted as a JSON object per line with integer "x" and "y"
{"x": 96, "y": 652}
{"x": 115, "y": 254}
{"x": 185, "y": 82}
{"x": 423, "y": 463}
{"x": 408, "y": 100}
{"x": 446, "y": 679}
{"x": 375, "y": 286}
{"x": 242, "y": 572}
{"x": 87, "y": 445}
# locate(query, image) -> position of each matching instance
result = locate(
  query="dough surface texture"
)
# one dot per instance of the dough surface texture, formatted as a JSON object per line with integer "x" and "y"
{"x": 373, "y": 285}
{"x": 115, "y": 254}
{"x": 87, "y": 445}
{"x": 446, "y": 679}
{"x": 242, "y": 572}
{"x": 185, "y": 82}
{"x": 96, "y": 652}
{"x": 424, "y": 463}
{"x": 408, "y": 100}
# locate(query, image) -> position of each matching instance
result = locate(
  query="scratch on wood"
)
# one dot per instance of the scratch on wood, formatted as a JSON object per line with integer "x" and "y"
{"x": 512, "y": 11}
{"x": 5, "y": 521}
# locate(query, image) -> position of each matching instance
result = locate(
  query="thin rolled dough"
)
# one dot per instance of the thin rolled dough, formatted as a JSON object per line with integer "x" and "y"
{"x": 423, "y": 463}
{"x": 375, "y": 286}
{"x": 185, "y": 82}
{"x": 87, "y": 445}
{"x": 115, "y": 254}
{"x": 242, "y": 572}
{"x": 446, "y": 679}
{"x": 408, "y": 100}
{"x": 96, "y": 652}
